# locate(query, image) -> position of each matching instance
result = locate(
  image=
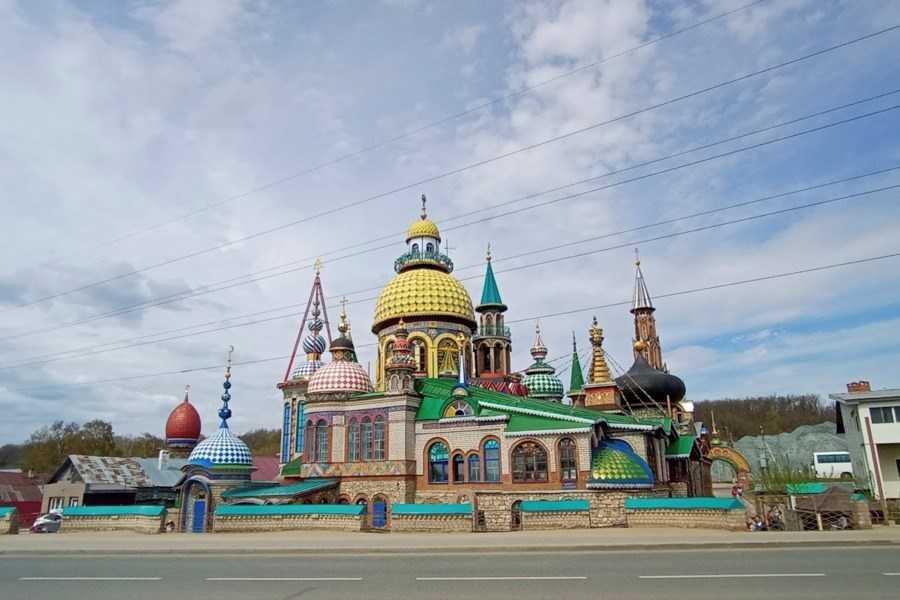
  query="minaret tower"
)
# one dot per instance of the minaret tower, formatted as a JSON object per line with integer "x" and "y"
{"x": 296, "y": 377}
{"x": 576, "y": 382}
{"x": 600, "y": 391}
{"x": 644, "y": 321}
{"x": 401, "y": 365}
{"x": 491, "y": 342}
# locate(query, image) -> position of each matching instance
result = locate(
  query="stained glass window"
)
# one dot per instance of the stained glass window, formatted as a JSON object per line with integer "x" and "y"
{"x": 379, "y": 438}
{"x": 437, "y": 462}
{"x": 298, "y": 442}
{"x": 366, "y": 438}
{"x": 474, "y": 468}
{"x": 353, "y": 441}
{"x": 458, "y": 408}
{"x": 286, "y": 433}
{"x": 310, "y": 442}
{"x": 492, "y": 460}
{"x": 322, "y": 441}
{"x": 529, "y": 462}
{"x": 568, "y": 465}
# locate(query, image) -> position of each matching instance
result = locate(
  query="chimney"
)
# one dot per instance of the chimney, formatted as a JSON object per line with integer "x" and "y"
{"x": 859, "y": 386}
{"x": 163, "y": 459}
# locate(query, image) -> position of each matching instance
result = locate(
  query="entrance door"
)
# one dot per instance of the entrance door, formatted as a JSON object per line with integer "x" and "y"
{"x": 199, "y": 519}
{"x": 516, "y": 516}
{"x": 379, "y": 513}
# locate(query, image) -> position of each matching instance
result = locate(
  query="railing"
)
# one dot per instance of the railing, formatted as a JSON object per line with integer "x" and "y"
{"x": 422, "y": 256}
{"x": 493, "y": 331}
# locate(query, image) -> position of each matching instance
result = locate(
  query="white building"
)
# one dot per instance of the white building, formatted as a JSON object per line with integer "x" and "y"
{"x": 871, "y": 421}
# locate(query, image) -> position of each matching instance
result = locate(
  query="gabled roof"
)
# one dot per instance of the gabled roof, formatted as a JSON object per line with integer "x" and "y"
{"x": 545, "y": 415}
{"x": 682, "y": 447}
{"x": 124, "y": 472}
{"x": 18, "y": 487}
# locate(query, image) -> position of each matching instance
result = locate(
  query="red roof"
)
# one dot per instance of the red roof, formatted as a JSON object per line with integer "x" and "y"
{"x": 17, "y": 487}
{"x": 183, "y": 422}
{"x": 266, "y": 468}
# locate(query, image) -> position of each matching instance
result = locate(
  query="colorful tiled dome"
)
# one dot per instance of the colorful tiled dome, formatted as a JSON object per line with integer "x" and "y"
{"x": 340, "y": 376}
{"x": 314, "y": 343}
{"x": 543, "y": 384}
{"x": 306, "y": 368}
{"x": 183, "y": 426}
{"x": 616, "y": 465}
{"x": 423, "y": 227}
{"x": 423, "y": 292}
{"x": 222, "y": 448}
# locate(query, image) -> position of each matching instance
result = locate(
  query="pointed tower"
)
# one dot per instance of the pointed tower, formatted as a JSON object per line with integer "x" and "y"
{"x": 491, "y": 342}
{"x": 600, "y": 391}
{"x": 401, "y": 365}
{"x": 576, "y": 382}
{"x": 540, "y": 378}
{"x": 296, "y": 377}
{"x": 644, "y": 321}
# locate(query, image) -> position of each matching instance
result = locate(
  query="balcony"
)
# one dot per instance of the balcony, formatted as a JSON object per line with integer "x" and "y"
{"x": 492, "y": 331}
{"x": 413, "y": 258}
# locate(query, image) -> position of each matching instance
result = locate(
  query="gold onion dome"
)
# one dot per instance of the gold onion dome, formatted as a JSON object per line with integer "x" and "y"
{"x": 423, "y": 227}
{"x": 423, "y": 292}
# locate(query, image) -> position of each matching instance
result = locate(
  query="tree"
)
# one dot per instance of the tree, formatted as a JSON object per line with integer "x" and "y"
{"x": 263, "y": 442}
{"x": 737, "y": 417}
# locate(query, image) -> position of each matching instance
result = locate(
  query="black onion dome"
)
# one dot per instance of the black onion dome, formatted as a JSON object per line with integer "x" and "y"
{"x": 342, "y": 342}
{"x": 642, "y": 380}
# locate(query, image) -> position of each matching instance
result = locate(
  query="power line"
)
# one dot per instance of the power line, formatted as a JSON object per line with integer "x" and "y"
{"x": 532, "y": 318}
{"x": 412, "y": 132}
{"x": 240, "y": 281}
{"x": 467, "y": 167}
{"x": 91, "y": 352}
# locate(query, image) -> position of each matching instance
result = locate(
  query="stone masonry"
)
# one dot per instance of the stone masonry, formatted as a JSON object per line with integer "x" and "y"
{"x": 234, "y": 523}
{"x": 707, "y": 518}
{"x": 137, "y": 523}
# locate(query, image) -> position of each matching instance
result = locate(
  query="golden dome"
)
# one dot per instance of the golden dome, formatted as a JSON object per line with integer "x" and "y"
{"x": 640, "y": 345}
{"x": 423, "y": 227}
{"x": 423, "y": 292}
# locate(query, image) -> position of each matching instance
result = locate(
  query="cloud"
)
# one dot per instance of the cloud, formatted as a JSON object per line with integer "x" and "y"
{"x": 464, "y": 39}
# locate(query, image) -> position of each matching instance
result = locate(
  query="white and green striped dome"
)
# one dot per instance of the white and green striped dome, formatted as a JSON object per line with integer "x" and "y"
{"x": 540, "y": 378}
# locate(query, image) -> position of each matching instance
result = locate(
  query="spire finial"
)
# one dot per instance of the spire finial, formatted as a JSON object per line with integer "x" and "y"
{"x": 424, "y": 211}
{"x": 344, "y": 327}
{"x": 225, "y": 412}
{"x": 187, "y": 392}
{"x": 318, "y": 265}
{"x": 228, "y": 362}
{"x": 538, "y": 349}
{"x": 637, "y": 257}
{"x": 574, "y": 342}
{"x": 488, "y": 255}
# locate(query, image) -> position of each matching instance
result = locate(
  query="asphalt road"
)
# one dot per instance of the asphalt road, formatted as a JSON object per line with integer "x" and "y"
{"x": 815, "y": 573}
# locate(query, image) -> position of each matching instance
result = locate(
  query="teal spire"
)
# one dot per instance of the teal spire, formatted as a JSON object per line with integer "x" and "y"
{"x": 576, "y": 383}
{"x": 490, "y": 294}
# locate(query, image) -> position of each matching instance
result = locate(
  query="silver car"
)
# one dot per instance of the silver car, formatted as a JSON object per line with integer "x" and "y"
{"x": 48, "y": 523}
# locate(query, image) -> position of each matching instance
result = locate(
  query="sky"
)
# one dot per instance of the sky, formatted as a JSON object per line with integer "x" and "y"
{"x": 167, "y": 147}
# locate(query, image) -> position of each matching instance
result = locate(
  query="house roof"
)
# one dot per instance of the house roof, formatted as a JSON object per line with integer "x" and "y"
{"x": 682, "y": 447}
{"x": 872, "y": 396}
{"x": 122, "y": 472}
{"x": 18, "y": 487}
{"x": 289, "y": 489}
{"x": 165, "y": 477}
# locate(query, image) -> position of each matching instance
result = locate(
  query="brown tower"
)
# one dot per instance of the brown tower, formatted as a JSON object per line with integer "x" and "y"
{"x": 644, "y": 321}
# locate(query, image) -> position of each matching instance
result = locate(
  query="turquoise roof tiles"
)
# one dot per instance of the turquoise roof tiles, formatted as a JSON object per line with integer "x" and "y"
{"x": 144, "y": 510}
{"x": 490, "y": 293}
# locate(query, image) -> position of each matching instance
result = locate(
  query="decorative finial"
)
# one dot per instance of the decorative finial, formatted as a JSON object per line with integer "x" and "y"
{"x": 596, "y": 333}
{"x": 488, "y": 256}
{"x": 640, "y": 346}
{"x": 228, "y": 362}
{"x": 187, "y": 392}
{"x": 225, "y": 412}
{"x": 574, "y": 342}
{"x": 318, "y": 265}
{"x": 344, "y": 326}
{"x": 424, "y": 212}
{"x": 637, "y": 258}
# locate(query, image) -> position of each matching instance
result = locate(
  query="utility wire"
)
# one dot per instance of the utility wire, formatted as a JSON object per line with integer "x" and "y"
{"x": 741, "y": 282}
{"x": 412, "y": 132}
{"x": 467, "y": 167}
{"x": 628, "y": 244}
{"x": 207, "y": 289}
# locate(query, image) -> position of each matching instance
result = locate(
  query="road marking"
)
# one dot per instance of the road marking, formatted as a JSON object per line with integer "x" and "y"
{"x": 90, "y": 578}
{"x": 284, "y": 579}
{"x": 891, "y": 574}
{"x": 524, "y": 578}
{"x": 731, "y": 575}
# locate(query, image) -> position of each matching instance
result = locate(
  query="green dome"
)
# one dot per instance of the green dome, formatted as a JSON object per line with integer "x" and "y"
{"x": 615, "y": 464}
{"x": 543, "y": 385}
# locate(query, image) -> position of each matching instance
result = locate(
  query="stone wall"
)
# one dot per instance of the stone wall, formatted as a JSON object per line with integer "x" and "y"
{"x": 137, "y": 523}
{"x": 556, "y": 520}
{"x": 860, "y": 517}
{"x": 679, "y": 489}
{"x": 9, "y": 522}
{"x": 607, "y": 507}
{"x": 395, "y": 490}
{"x": 232, "y": 523}
{"x": 438, "y": 523}
{"x": 704, "y": 518}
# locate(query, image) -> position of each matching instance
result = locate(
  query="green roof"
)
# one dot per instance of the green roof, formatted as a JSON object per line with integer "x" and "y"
{"x": 144, "y": 510}
{"x": 238, "y": 510}
{"x": 6, "y": 510}
{"x": 436, "y": 393}
{"x": 700, "y": 502}
{"x": 431, "y": 509}
{"x": 293, "y": 467}
{"x": 576, "y": 381}
{"x": 490, "y": 294}
{"x": 615, "y": 464}
{"x": 288, "y": 489}
{"x": 808, "y": 487}
{"x": 520, "y": 423}
{"x": 554, "y": 505}
{"x": 682, "y": 447}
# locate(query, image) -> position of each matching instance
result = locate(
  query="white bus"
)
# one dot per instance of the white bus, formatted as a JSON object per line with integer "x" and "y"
{"x": 833, "y": 465}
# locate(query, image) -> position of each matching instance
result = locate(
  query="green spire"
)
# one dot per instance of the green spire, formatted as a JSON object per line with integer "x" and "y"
{"x": 491, "y": 293}
{"x": 576, "y": 384}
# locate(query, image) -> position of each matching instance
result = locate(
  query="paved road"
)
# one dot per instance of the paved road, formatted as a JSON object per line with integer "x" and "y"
{"x": 797, "y": 573}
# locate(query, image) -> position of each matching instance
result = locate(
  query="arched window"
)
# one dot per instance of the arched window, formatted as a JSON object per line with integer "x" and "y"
{"x": 418, "y": 352}
{"x": 437, "y": 462}
{"x": 366, "y": 439}
{"x": 429, "y": 248}
{"x": 353, "y": 441}
{"x": 529, "y": 462}
{"x": 415, "y": 248}
{"x": 448, "y": 357}
{"x": 485, "y": 358}
{"x": 458, "y": 408}
{"x": 568, "y": 463}
{"x": 322, "y": 441}
{"x": 379, "y": 438}
{"x": 498, "y": 364}
{"x": 474, "y": 467}
{"x": 492, "y": 460}
{"x": 459, "y": 468}
{"x": 310, "y": 441}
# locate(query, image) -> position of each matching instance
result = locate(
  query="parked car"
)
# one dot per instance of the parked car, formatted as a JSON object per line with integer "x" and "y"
{"x": 48, "y": 523}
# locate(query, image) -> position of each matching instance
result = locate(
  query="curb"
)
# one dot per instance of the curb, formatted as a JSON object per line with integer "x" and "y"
{"x": 699, "y": 547}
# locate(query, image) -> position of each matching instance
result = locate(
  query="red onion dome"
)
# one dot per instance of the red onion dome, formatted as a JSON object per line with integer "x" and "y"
{"x": 183, "y": 426}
